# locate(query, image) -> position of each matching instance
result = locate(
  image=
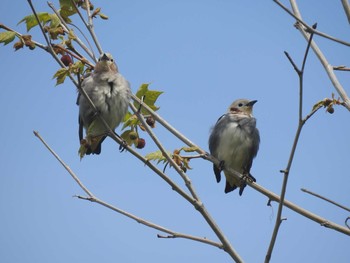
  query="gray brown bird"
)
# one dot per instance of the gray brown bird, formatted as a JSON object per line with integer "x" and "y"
{"x": 110, "y": 93}
{"x": 234, "y": 141}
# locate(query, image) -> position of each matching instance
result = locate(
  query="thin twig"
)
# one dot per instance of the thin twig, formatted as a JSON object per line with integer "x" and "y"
{"x": 346, "y": 7}
{"x": 164, "y": 152}
{"x": 21, "y": 35}
{"x": 198, "y": 204}
{"x": 76, "y": 39}
{"x": 309, "y": 28}
{"x": 169, "y": 127}
{"x": 90, "y": 27}
{"x": 142, "y": 221}
{"x": 82, "y": 186}
{"x": 286, "y": 171}
{"x": 341, "y": 68}
{"x": 270, "y": 195}
{"x": 329, "y": 69}
{"x": 50, "y": 48}
{"x": 326, "y": 199}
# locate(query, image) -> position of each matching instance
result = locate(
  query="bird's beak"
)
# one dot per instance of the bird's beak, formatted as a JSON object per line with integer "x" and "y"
{"x": 251, "y": 103}
{"x": 104, "y": 57}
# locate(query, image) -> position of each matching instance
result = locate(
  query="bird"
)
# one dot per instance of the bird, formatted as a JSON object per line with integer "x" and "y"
{"x": 110, "y": 93}
{"x": 234, "y": 141}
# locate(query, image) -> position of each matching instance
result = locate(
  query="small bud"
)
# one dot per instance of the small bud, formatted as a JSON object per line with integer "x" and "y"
{"x": 18, "y": 45}
{"x": 66, "y": 60}
{"x": 330, "y": 110}
{"x": 140, "y": 143}
{"x": 133, "y": 135}
{"x": 150, "y": 121}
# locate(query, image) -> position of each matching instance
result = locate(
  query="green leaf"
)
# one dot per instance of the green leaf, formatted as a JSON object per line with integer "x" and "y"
{"x": 7, "y": 37}
{"x": 61, "y": 75}
{"x": 149, "y": 98}
{"x": 71, "y": 35}
{"x": 77, "y": 67}
{"x": 131, "y": 120}
{"x": 67, "y": 9}
{"x": 32, "y": 22}
{"x": 103, "y": 16}
{"x": 157, "y": 156}
{"x": 55, "y": 21}
{"x": 126, "y": 137}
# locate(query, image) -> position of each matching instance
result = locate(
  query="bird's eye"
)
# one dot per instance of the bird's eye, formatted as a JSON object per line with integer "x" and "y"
{"x": 112, "y": 60}
{"x": 240, "y": 105}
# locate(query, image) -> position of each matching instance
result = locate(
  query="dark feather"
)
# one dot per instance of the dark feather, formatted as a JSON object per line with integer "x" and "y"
{"x": 229, "y": 188}
{"x": 81, "y": 128}
{"x": 217, "y": 173}
{"x": 97, "y": 150}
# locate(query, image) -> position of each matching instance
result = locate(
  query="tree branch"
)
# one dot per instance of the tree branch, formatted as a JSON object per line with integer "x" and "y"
{"x": 291, "y": 156}
{"x": 76, "y": 39}
{"x": 346, "y": 7}
{"x": 326, "y": 199}
{"x": 329, "y": 69}
{"x": 142, "y": 221}
{"x": 21, "y": 35}
{"x": 309, "y": 28}
{"x": 198, "y": 204}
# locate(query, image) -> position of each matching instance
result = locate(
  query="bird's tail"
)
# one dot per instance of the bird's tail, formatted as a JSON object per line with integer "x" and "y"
{"x": 91, "y": 145}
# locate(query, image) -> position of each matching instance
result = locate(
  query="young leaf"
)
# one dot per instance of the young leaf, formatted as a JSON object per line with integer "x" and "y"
{"x": 149, "y": 98}
{"x": 157, "y": 156}
{"x": 131, "y": 120}
{"x": 32, "y": 22}
{"x": 60, "y": 75}
{"x": 7, "y": 37}
{"x": 126, "y": 137}
{"x": 55, "y": 21}
{"x": 103, "y": 16}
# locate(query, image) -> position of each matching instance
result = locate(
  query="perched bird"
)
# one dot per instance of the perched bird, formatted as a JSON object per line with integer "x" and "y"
{"x": 110, "y": 93}
{"x": 234, "y": 140}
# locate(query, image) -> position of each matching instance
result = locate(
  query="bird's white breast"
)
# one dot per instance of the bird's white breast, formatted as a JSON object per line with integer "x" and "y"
{"x": 234, "y": 145}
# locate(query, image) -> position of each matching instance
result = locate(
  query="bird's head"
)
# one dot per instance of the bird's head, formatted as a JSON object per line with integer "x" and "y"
{"x": 242, "y": 106}
{"x": 105, "y": 64}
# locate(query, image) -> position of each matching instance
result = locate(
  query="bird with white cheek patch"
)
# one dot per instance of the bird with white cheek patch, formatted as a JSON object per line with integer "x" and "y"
{"x": 234, "y": 140}
{"x": 110, "y": 93}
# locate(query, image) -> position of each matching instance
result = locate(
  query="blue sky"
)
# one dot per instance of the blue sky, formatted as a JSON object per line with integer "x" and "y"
{"x": 203, "y": 55}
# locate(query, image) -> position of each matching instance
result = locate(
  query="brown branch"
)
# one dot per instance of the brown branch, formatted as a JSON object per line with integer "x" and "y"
{"x": 142, "y": 221}
{"x": 309, "y": 28}
{"x": 325, "y": 199}
{"x": 286, "y": 171}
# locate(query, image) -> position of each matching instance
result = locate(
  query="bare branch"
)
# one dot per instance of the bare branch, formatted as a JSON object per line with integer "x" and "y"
{"x": 291, "y": 156}
{"x": 76, "y": 39}
{"x": 198, "y": 204}
{"x": 36, "y": 133}
{"x": 329, "y": 69}
{"x": 272, "y": 196}
{"x": 346, "y": 7}
{"x": 91, "y": 27}
{"x": 169, "y": 127}
{"x": 309, "y": 28}
{"x": 94, "y": 199}
{"x": 20, "y": 35}
{"x": 164, "y": 152}
{"x": 326, "y": 199}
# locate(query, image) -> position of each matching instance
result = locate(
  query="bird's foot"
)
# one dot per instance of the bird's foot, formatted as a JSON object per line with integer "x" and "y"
{"x": 248, "y": 177}
{"x": 123, "y": 146}
{"x": 221, "y": 165}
